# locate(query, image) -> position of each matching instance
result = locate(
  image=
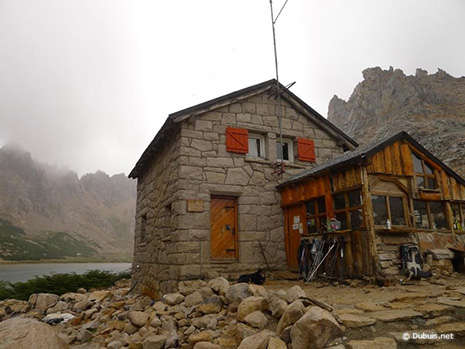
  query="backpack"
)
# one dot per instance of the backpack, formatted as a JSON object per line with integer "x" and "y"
{"x": 412, "y": 262}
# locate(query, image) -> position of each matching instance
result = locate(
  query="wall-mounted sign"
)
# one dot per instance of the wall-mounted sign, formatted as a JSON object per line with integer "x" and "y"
{"x": 296, "y": 219}
{"x": 295, "y": 226}
{"x": 194, "y": 205}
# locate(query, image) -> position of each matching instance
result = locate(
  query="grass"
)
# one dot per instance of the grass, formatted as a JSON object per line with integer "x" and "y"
{"x": 60, "y": 283}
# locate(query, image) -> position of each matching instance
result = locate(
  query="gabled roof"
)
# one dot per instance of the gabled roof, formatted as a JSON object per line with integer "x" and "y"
{"x": 286, "y": 94}
{"x": 358, "y": 155}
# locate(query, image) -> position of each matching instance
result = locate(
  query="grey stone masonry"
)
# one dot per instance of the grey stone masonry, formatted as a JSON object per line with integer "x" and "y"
{"x": 194, "y": 165}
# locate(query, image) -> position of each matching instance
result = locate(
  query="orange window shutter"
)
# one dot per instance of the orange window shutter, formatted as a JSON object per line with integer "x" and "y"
{"x": 306, "y": 150}
{"x": 237, "y": 140}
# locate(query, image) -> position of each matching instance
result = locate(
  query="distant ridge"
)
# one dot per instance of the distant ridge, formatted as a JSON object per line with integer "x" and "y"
{"x": 95, "y": 213}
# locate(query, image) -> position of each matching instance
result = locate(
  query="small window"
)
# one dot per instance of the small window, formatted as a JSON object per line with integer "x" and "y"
{"x": 256, "y": 145}
{"x": 143, "y": 228}
{"x": 316, "y": 215}
{"x": 388, "y": 207}
{"x": 458, "y": 215}
{"x": 429, "y": 215}
{"x": 424, "y": 173}
{"x": 348, "y": 209}
{"x": 285, "y": 152}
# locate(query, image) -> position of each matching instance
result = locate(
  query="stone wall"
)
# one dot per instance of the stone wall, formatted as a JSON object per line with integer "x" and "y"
{"x": 194, "y": 167}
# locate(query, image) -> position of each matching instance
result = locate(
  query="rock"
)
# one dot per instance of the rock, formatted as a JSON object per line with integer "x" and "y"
{"x": 81, "y": 290}
{"x": 172, "y": 341}
{"x": 23, "y": 333}
{"x": 237, "y": 292}
{"x": 138, "y": 318}
{"x": 173, "y": 298}
{"x": 42, "y": 301}
{"x": 115, "y": 345}
{"x": 286, "y": 335}
{"x": 99, "y": 296}
{"x": 258, "y": 291}
{"x": 433, "y": 309}
{"x": 457, "y": 328}
{"x": 277, "y": 306}
{"x": 206, "y": 345}
{"x": 60, "y": 306}
{"x": 243, "y": 331}
{"x": 355, "y": 321}
{"x": 294, "y": 293}
{"x": 160, "y": 307}
{"x": 256, "y": 319}
{"x": 130, "y": 328}
{"x": 438, "y": 321}
{"x": 315, "y": 329}
{"x": 82, "y": 305}
{"x": 395, "y": 315}
{"x": 200, "y": 337}
{"x": 193, "y": 299}
{"x": 220, "y": 285}
{"x": 369, "y": 306}
{"x": 377, "y": 343}
{"x": 155, "y": 322}
{"x": 276, "y": 343}
{"x": 205, "y": 322}
{"x": 293, "y": 312}
{"x": 249, "y": 305}
{"x": 206, "y": 292}
{"x": 451, "y": 301}
{"x": 168, "y": 323}
{"x": 211, "y": 305}
{"x": 154, "y": 342}
{"x": 257, "y": 341}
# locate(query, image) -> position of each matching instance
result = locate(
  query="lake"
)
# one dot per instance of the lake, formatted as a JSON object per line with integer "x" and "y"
{"x": 23, "y": 272}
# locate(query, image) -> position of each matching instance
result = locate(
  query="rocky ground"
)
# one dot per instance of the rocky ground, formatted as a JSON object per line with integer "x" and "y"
{"x": 217, "y": 314}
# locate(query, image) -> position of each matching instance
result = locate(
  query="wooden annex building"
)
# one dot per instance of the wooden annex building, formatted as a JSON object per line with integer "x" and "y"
{"x": 395, "y": 179}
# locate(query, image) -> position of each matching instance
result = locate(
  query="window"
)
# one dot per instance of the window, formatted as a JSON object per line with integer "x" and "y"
{"x": 388, "y": 207}
{"x": 316, "y": 215}
{"x": 256, "y": 145}
{"x": 458, "y": 215}
{"x": 285, "y": 152}
{"x": 348, "y": 209}
{"x": 143, "y": 227}
{"x": 429, "y": 214}
{"x": 424, "y": 173}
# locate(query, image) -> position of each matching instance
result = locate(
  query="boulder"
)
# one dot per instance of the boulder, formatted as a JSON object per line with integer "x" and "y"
{"x": 59, "y": 306}
{"x": 257, "y": 341}
{"x": 82, "y": 305}
{"x": 193, "y": 299}
{"x": 23, "y": 333}
{"x": 206, "y": 345}
{"x": 293, "y": 312}
{"x": 237, "y": 292}
{"x": 42, "y": 301}
{"x": 277, "y": 306}
{"x": 258, "y": 291}
{"x": 294, "y": 293}
{"x": 249, "y": 305}
{"x": 138, "y": 318}
{"x": 211, "y": 305}
{"x": 256, "y": 319}
{"x": 173, "y": 298}
{"x": 220, "y": 285}
{"x": 154, "y": 342}
{"x": 276, "y": 343}
{"x": 206, "y": 292}
{"x": 315, "y": 329}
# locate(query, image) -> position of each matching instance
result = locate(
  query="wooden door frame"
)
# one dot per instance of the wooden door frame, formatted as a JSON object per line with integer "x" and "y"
{"x": 236, "y": 235}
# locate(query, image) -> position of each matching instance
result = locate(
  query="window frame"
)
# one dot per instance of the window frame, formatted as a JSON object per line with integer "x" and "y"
{"x": 290, "y": 147}
{"x": 424, "y": 174}
{"x": 349, "y": 209}
{"x": 386, "y": 196}
{"x": 317, "y": 215}
{"x": 429, "y": 215}
{"x": 261, "y": 139}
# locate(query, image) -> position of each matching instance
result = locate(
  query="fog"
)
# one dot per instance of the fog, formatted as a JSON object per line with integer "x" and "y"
{"x": 87, "y": 84}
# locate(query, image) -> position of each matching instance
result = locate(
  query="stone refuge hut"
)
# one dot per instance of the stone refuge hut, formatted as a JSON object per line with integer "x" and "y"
{"x": 396, "y": 180}
{"x": 206, "y": 185}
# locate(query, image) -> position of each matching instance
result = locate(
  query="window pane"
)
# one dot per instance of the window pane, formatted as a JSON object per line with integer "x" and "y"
{"x": 431, "y": 182}
{"x": 438, "y": 216}
{"x": 397, "y": 211}
{"x": 356, "y": 218}
{"x": 379, "y": 209}
{"x": 420, "y": 213}
{"x": 311, "y": 208}
{"x": 321, "y": 205}
{"x": 311, "y": 226}
{"x": 341, "y": 217}
{"x": 354, "y": 198}
{"x": 463, "y": 216}
{"x": 456, "y": 217}
{"x": 417, "y": 163}
{"x": 421, "y": 181}
{"x": 428, "y": 169}
{"x": 254, "y": 147}
{"x": 283, "y": 150}
{"x": 339, "y": 202}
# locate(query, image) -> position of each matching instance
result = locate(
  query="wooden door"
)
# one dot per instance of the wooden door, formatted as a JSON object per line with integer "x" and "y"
{"x": 223, "y": 234}
{"x": 293, "y": 235}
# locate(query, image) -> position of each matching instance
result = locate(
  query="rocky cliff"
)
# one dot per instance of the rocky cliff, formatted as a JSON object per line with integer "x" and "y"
{"x": 430, "y": 107}
{"x": 42, "y": 205}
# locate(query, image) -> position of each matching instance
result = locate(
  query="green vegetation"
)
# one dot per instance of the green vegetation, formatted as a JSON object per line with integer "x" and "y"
{"x": 60, "y": 283}
{"x": 15, "y": 244}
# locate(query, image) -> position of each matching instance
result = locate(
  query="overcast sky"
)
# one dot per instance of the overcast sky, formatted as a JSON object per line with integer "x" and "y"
{"x": 87, "y": 84}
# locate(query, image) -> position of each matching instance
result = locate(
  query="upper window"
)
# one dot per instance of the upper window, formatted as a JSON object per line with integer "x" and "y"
{"x": 284, "y": 151}
{"x": 424, "y": 173}
{"x": 429, "y": 214}
{"x": 256, "y": 145}
{"x": 348, "y": 209}
{"x": 316, "y": 214}
{"x": 458, "y": 215}
{"x": 388, "y": 207}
